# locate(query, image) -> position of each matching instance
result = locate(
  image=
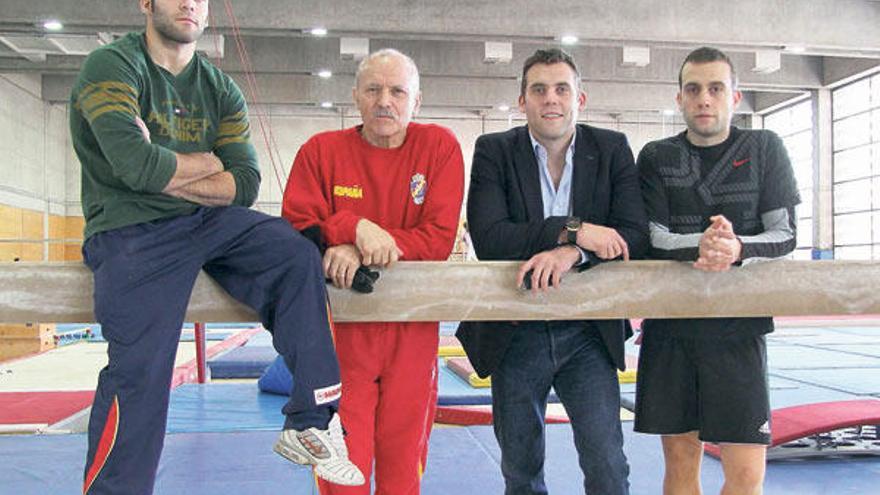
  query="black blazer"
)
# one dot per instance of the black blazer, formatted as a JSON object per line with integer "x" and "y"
{"x": 505, "y": 214}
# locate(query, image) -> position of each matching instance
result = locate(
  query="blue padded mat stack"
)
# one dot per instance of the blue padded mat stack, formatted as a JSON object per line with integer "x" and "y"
{"x": 453, "y": 391}
{"x": 247, "y": 361}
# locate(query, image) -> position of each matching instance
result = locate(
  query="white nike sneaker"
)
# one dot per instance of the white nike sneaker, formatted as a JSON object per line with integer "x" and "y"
{"x": 324, "y": 449}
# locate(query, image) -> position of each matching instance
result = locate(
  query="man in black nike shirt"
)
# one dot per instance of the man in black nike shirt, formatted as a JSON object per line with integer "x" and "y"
{"x": 716, "y": 196}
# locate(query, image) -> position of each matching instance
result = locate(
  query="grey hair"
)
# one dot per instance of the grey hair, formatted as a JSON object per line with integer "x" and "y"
{"x": 390, "y": 52}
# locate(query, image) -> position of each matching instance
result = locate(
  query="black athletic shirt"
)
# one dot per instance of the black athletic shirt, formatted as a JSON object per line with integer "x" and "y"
{"x": 748, "y": 178}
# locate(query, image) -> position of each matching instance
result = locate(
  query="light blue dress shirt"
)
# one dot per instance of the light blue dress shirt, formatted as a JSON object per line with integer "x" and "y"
{"x": 557, "y": 201}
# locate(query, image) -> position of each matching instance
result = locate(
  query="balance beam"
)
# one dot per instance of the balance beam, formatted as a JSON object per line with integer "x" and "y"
{"x": 453, "y": 291}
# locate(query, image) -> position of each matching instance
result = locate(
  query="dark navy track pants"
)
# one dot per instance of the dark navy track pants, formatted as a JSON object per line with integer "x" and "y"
{"x": 144, "y": 275}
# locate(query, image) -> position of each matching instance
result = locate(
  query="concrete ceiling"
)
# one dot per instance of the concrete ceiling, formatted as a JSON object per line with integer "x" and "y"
{"x": 838, "y": 38}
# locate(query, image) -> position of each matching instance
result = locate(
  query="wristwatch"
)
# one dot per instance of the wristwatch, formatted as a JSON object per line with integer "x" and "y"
{"x": 572, "y": 225}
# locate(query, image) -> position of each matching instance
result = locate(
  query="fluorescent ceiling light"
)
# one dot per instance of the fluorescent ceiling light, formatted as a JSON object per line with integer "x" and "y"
{"x": 318, "y": 31}
{"x": 568, "y": 39}
{"x": 326, "y": 104}
{"x": 324, "y": 74}
{"x": 53, "y": 25}
{"x": 503, "y": 108}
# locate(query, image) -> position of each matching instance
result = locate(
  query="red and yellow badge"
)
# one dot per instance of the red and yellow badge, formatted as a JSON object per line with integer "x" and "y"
{"x": 417, "y": 187}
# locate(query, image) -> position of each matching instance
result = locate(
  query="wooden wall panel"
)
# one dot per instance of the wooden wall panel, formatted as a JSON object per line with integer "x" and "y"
{"x": 57, "y": 229}
{"x": 31, "y": 224}
{"x": 73, "y": 252}
{"x": 74, "y": 227}
{"x": 9, "y": 251}
{"x": 20, "y": 225}
{"x": 10, "y": 222}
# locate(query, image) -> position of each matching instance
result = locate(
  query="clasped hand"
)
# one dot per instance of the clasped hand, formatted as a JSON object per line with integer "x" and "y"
{"x": 719, "y": 246}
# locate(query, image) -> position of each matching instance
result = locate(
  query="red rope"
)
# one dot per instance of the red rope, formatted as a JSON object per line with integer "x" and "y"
{"x": 258, "y": 109}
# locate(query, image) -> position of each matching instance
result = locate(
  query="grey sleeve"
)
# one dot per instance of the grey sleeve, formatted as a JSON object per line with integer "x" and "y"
{"x": 778, "y": 239}
{"x": 669, "y": 246}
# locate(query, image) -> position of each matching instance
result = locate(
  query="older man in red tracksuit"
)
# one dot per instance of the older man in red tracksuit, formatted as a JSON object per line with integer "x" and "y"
{"x": 382, "y": 191}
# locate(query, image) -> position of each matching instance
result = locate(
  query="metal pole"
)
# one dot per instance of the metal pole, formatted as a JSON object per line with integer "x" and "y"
{"x": 201, "y": 341}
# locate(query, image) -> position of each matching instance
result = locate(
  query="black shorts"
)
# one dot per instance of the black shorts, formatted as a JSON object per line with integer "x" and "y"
{"x": 717, "y": 387}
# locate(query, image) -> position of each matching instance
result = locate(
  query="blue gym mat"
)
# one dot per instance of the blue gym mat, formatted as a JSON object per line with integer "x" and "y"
{"x": 865, "y": 331}
{"x": 805, "y": 331}
{"x": 864, "y": 349}
{"x": 829, "y": 338}
{"x": 461, "y": 461}
{"x": 855, "y": 381}
{"x": 797, "y": 394}
{"x": 194, "y": 464}
{"x": 223, "y": 407}
{"x": 793, "y": 356}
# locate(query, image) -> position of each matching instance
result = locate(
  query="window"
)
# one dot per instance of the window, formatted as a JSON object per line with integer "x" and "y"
{"x": 850, "y": 99}
{"x": 856, "y": 131}
{"x": 851, "y": 196}
{"x": 794, "y": 125}
{"x": 853, "y": 164}
{"x": 852, "y": 131}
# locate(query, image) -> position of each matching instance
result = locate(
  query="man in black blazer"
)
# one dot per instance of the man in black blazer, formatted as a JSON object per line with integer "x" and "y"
{"x": 561, "y": 196}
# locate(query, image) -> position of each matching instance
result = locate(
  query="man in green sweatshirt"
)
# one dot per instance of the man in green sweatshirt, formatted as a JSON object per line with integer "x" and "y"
{"x": 168, "y": 174}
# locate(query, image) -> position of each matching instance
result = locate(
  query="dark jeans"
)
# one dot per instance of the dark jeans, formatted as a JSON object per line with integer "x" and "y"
{"x": 144, "y": 275}
{"x": 571, "y": 358}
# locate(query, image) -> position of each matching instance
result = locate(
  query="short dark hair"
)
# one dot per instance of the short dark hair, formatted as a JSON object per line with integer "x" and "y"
{"x": 547, "y": 57}
{"x": 704, "y": 55}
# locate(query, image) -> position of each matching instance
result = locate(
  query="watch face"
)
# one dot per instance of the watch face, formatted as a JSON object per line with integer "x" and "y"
{"x": 573, "y": 223}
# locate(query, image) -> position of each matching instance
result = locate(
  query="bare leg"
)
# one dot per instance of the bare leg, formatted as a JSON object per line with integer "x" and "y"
{"x": 744, "y": 466}
{"x": 683, "y": 455}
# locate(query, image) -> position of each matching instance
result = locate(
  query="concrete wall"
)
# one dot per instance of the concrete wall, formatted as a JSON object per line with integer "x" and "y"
{"x": 36, "y": 162}
{"x": 22, "y": 147}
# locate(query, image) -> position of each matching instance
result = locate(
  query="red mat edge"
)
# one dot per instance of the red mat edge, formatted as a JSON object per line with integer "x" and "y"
{"x": 74, "y": 400}
{"x": 792, "y": 423}
{"x": 187, "y": 372}
{"x": 182, "y": 374}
